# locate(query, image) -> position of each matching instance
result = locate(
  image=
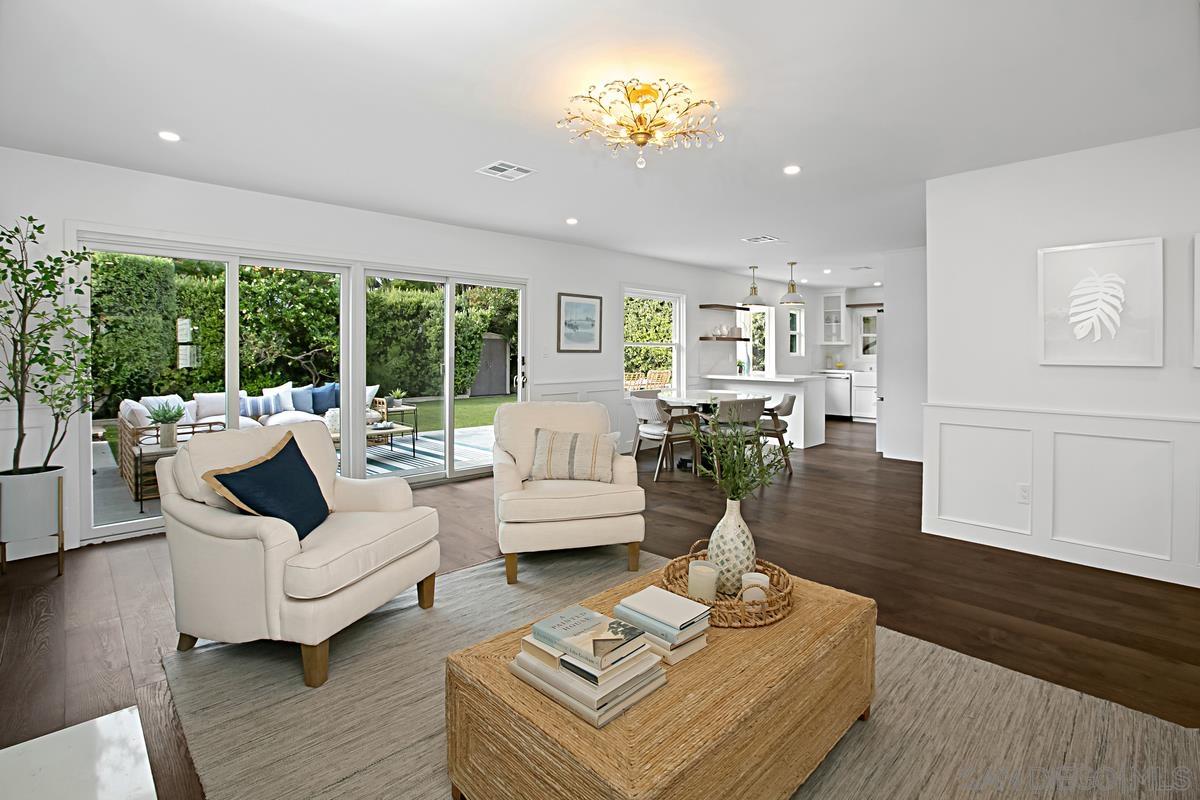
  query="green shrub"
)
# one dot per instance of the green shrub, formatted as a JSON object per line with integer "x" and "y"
{"x": 288, "y": 329}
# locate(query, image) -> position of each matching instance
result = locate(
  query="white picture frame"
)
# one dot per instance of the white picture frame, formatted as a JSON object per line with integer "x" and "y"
{"x": 1101, "y": 304}
{"x": 1196, "y": 301}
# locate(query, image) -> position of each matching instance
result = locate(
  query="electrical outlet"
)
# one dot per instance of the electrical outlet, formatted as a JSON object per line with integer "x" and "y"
{"x": 1024, "y": 493}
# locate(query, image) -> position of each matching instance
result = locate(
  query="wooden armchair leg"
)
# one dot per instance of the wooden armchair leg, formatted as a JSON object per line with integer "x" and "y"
{"x": 635, "y": 549}
{"x": 510, "y": 567}
{"x": 425, "y": 591}
{"x": 315, "y": 658}
{"x": 186, "y": 642}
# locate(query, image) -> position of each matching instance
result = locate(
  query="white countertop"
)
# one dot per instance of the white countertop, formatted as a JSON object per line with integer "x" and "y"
{"x": 766, "y": 379}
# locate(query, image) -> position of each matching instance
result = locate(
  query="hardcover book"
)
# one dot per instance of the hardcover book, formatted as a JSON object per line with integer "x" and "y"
{"x": 597, "y": 718}
{"x": 660, "y": 629}
{"x": 594, "y": 697}
{"x": 673, "y": 655}
{"x": 614, "y": 674}
{"x": 589, "y": 636}
{"x": 673, "y": 609}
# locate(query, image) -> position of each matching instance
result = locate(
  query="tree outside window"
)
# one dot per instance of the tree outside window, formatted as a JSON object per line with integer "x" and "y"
{"x": 651, "y": 342}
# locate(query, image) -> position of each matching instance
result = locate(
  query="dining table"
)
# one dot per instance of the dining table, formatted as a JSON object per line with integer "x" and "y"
{"x": 704, "y": 401}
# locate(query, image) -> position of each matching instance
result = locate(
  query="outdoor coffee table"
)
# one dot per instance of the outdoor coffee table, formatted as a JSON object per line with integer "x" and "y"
{"x": 382, "y": 435}
{"x": 751, "y": 715}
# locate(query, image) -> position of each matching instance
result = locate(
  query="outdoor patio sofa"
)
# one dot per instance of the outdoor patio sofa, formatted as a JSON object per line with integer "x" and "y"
{"x": 205, "y": 412}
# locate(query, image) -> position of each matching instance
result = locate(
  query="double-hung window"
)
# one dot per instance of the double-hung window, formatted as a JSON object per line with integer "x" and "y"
{"x": 653, "y": 324}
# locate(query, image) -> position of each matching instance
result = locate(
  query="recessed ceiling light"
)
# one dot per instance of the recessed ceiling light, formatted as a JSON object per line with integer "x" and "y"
{"x": 827, "y": 271}
{"x": 791, "y": 169}
{"x": 877, "y": 283}
{"x": 804, "y": 280}
{"x": 169, "y": 136}
{"x": 572, "y": 221}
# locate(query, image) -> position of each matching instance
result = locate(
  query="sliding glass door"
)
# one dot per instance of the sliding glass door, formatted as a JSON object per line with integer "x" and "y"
{"x": 488, "y": 368}
{"x": 189, "y": 338}
{"x": 405, "y": 370}
{"x": 441, "y": 355}
{"x": 158, "y": 342}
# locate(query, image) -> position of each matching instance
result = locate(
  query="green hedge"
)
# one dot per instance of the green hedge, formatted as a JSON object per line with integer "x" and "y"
{"x": 289, "y": 328}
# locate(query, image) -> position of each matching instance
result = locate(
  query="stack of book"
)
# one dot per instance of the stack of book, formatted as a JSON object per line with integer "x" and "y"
{"x": 594, "y": 665}
{"x": 675, "y": 626}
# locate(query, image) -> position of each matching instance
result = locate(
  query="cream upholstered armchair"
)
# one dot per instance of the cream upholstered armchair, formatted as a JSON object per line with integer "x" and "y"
{"x": 532, "y": 516}
{"x": 240, "y": 577}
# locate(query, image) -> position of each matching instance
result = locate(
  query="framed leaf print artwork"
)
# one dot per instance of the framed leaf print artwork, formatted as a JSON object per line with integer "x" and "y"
{"x": 579, "y": 323}
{"x": 1102, "y": 304}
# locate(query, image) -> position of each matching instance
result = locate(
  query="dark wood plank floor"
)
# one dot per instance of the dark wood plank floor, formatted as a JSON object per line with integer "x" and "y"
{"x": 851, "y": 519}
{"x": 77, "y": 647}
{"x": 91, "y": 642}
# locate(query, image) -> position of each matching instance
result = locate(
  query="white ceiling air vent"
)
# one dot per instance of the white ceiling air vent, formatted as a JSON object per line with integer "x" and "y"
{"x": 505, "y": 171}
{"x": 763, "y": 239}
{"x": 856, "y": 269}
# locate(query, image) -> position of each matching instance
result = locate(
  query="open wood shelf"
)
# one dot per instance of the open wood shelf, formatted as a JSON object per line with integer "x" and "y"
{"x": 723, "y": 307}
{"x": 724, "y": 338}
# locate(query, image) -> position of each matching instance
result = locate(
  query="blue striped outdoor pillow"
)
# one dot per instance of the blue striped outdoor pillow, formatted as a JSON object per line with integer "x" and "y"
{"x": 255, "y": 407}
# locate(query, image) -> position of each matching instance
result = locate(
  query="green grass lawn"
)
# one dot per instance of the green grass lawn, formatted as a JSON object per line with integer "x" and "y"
{"x": 470, "y": 413}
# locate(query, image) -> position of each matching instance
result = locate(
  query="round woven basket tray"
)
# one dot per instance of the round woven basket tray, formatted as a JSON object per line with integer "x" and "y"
{"x": 731, "y": 611}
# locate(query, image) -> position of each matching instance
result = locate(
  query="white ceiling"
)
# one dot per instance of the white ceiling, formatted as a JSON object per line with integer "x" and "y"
{"x": 391, "y": 106}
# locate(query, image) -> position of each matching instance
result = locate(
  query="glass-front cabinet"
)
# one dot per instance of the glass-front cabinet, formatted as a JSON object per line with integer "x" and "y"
{"x": 833, "y": 318}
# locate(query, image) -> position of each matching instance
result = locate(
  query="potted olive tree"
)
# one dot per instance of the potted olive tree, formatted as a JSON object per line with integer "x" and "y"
{"x": 44, "y": 371}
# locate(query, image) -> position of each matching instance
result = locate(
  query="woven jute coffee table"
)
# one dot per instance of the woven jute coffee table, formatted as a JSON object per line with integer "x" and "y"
{"x": 749, "y": 716}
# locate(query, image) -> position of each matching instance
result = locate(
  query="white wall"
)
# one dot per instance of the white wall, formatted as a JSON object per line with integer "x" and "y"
{"x": 65, "y": 193}
{"x": 1111, "y": 453}
{"x": 902, "y": 359}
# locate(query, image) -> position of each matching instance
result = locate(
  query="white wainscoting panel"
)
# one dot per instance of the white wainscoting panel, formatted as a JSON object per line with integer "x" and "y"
{"x": 1114, "y": 493}
{"x": 610, "y": 392}
{"x": 980, "y": 492}
{"x": 1118, "y": 492}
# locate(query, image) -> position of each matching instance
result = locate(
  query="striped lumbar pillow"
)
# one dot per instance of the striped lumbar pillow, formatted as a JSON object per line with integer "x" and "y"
{"x": 255, "y": 407}
{"x": 561, "y": 455}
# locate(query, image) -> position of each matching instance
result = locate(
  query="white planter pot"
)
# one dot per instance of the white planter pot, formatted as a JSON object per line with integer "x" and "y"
{"x": 731, "y": 548}
{"x": 167, "y": 434}
{"x": 29, "y": 504}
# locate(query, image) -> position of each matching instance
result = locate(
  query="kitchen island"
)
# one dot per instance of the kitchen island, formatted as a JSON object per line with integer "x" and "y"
{"x": 806, "y": 423}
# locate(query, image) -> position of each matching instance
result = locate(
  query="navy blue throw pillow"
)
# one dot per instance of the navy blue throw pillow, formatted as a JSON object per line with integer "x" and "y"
{"x": 279, "y": 484}
{"x": 324, "y": 398}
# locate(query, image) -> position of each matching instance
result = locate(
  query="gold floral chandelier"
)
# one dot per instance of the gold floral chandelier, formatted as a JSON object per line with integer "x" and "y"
{"x": 630, "y": 113}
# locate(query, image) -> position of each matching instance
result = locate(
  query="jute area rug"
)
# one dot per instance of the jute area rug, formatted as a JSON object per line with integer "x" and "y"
{"x": 943, "y": 725}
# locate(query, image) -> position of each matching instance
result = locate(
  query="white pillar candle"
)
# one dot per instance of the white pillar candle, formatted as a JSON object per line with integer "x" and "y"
{"x": 755, "y": 585}
{"x": 702, "y": 580}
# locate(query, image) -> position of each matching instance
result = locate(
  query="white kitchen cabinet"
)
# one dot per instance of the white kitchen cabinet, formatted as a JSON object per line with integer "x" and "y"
{"x": 862, "y": 403}
{"x": 833, "y": 318}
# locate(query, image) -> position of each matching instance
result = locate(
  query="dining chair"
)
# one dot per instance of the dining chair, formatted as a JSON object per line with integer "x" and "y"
{"x": 739, "y": 414}
{"x": 773, "y": 426}
{"x": 680, "y": 428}
{"x": 651, "y": 420}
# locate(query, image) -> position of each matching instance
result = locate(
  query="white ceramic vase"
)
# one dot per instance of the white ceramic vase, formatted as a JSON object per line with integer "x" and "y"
{"x": 167, "y": 434}
{"x": 731, "y": 548}
{"x": 29, "y": 504}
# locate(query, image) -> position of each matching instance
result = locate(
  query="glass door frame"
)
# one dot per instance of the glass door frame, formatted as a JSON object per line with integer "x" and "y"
{"x": 234, "y": 257}
{"x": 358, "y": 366}
{"x": 352, "y": 342}
{"x": 89, "y": 531}
{"x": 522, "y": 381}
